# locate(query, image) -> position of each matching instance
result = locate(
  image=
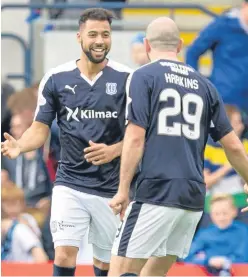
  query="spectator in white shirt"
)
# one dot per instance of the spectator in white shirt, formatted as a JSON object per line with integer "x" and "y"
{"x": 20, "y": 242}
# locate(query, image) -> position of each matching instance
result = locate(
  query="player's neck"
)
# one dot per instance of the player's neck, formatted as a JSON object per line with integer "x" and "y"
{"x": 89, "y": 69}
{"x": 172, "y": 56}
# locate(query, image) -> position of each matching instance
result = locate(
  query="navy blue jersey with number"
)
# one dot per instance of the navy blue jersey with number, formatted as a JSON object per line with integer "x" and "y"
{"x": 178, "y": 108}
{"x": 85, "y": 110}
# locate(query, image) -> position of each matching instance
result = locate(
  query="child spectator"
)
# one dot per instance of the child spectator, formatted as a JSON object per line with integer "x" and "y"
{"x": 20, "y": 233}
{"x": 224, "y": 242}
{"x": 219, "y": 176}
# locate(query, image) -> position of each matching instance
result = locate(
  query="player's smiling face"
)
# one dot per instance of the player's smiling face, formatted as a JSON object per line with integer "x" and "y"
{"x": 95, "y": 39}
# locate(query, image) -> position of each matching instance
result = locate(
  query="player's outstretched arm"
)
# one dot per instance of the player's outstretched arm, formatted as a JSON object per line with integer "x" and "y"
{"x": 33, "y": 138}
{"x": 236, "y": 154}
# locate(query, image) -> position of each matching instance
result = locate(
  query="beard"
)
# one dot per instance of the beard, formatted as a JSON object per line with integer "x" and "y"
{"x": 90, "y": 55}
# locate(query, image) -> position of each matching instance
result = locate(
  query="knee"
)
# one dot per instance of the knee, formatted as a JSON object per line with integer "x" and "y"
{"x": 65, "y": 256}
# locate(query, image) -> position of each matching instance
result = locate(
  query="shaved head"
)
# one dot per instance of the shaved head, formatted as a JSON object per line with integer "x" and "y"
{"x": 163, "y": 34}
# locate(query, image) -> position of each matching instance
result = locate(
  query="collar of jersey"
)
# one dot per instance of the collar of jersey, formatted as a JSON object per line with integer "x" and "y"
{"x": 91, "y": 82}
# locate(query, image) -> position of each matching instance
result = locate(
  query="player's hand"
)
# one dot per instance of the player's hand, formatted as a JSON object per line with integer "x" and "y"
{"x": 119, "y": 204}
{"x": 10, "y": 147}
{"x": 99, "y": 153}
{"x": 246, "y": 191}
{"x": 217, "y": 262}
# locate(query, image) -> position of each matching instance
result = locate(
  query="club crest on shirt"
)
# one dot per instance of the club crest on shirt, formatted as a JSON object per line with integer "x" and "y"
{"x": 111, "y": 88}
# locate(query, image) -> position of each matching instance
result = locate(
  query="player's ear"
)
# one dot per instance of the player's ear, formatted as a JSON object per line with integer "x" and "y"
{"x": 180, "y": 46}
{"x": 78, "y": 37}
{"x": 147, "y": 45}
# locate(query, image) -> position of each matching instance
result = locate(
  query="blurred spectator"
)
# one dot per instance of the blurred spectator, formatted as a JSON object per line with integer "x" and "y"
{"x": 117, "y": 12}
{"x": 138, "y": 52}
{"x": 53, "y": 149}
{"x": 47, "y": 239}
{"x": 54, "y": 13}
{"x": 4, "y": 176}
{"x": 227, "y": 38}
{"x": 5, "y": 181}
{"x": 218, "y": 173}
{"x": 20, "y": 233}
{"x": 29, "y": 172}
{"x": 13, "y": 203}
{"x": 6, "y": 92}
{"x": 24, "y": 104}
{"x": 223, "y": 243}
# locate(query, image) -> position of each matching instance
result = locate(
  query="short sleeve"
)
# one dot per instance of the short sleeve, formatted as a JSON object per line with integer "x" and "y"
{"x": 128, "y": 98}
{"x": 139, "y": 100}
{"x": 46, "y": 111}
{"x": 27, "y": 239}
{"x": 220, "y": 124}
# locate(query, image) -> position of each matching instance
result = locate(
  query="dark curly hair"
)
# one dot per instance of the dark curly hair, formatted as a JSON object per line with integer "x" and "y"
{"x": 98, "y": 14}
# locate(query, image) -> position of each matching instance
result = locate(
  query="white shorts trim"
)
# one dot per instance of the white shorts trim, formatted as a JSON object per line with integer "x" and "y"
{"x": 67, "y": 242}
{"x": 102, "y": 255}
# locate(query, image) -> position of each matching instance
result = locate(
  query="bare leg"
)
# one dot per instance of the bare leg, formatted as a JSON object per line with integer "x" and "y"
{"x": 120, "y": 265}
{"x": 158, "y": 266}
{"x": 65, "y": 256}
{"x": 65, "y": 261}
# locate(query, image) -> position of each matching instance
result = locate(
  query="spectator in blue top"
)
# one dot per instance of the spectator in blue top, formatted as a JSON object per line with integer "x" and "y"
{"x": 227, "y": 38}
{"x": 219, "y": 175}
{"x": 223, "y": 243}
{"x": 138, "y": 53}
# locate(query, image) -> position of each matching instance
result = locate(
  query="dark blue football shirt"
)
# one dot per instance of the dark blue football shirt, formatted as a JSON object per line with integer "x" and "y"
{"x": 178, "y": 108}
{"x": 85, "y": 110}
